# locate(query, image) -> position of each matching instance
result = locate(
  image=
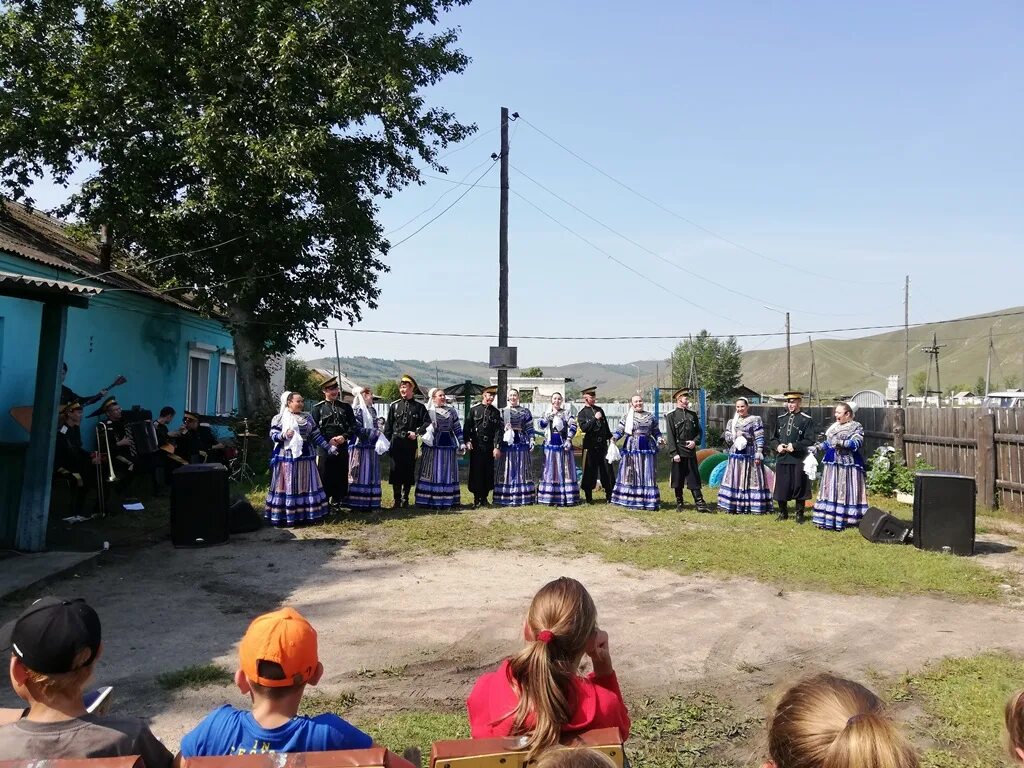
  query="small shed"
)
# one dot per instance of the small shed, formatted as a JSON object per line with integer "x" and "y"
{"x": 867, "y": 398}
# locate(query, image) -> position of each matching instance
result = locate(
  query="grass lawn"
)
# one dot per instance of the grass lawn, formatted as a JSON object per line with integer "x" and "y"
{"x": 759, "y": 547}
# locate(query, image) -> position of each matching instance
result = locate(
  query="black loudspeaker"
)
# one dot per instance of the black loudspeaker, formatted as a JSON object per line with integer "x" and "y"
{"x": 880, "y": 527}
{"x": 243, "y": 518}
{"x": 199, "y": 505}
{"x": 944, "y": 512}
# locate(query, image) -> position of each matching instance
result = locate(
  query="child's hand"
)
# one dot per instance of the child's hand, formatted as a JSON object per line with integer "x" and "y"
{"x": 600, "y": 655}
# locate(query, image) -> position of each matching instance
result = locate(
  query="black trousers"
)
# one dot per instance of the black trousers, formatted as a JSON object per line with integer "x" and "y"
{"x": 595, "y": 467}
{"x": 403, "y": 461}
{"x": 685, "y": 473}
{"x": 334, "y": 472}
{"x": 791, "y": 482}
{"x": 481, "y": 470}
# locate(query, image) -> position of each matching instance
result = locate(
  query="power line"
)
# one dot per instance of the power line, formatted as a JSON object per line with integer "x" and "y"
{"x": 691, "y": 222}
{"x": 440, "y": 197}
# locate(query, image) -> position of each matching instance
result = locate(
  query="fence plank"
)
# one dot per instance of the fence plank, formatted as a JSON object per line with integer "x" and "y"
{"x": 986, "y": 460}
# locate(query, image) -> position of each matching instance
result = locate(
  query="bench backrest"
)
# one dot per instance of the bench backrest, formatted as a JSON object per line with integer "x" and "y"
{"x": 374, "y": 757}
{"x": 131, "y": 761}
{"x": 510, "y": 751}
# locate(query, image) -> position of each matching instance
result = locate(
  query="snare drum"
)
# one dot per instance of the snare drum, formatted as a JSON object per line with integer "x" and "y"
{"x": 142, "y": 435}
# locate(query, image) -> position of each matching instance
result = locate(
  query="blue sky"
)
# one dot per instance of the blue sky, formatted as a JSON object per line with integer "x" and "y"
{"x": 853, "y": 142}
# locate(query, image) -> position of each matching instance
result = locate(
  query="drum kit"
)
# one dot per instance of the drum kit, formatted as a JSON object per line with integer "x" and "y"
{"x": 240, "y": 469}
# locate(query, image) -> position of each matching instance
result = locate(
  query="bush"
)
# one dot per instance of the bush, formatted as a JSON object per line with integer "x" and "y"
{"x": 887, "y": 474}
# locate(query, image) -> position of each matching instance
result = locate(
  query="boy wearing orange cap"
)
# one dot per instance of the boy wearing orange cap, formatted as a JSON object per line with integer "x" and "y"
{"x": 278, "y": 657}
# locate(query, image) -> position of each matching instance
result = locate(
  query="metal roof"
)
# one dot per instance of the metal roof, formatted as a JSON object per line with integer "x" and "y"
{"x": 61, "y": 286}
{"x": 43, "y": 239}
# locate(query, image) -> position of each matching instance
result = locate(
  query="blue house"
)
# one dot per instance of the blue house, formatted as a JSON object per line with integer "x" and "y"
{"x": 61, "y": 301}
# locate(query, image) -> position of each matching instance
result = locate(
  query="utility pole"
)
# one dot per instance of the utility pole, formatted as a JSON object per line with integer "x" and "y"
{"x": 988, "y": 364}
{"x": 812, "y": 387}
{"x": 906, "y": 341}
{"x": 789, "y": 359}
{"x": 933, "y": 352}
{"x": 503, "y": 260}
{"x": 337, "y": 358}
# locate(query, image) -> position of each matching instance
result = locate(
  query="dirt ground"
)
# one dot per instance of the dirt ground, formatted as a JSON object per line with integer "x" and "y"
{"x": 414, "y": 634}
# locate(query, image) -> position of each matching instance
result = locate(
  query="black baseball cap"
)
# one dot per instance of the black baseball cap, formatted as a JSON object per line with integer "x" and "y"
{"x": 51, "y": 632}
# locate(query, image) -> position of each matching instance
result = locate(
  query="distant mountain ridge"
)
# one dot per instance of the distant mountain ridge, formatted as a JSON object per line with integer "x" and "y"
{"x": 843, "y": 366}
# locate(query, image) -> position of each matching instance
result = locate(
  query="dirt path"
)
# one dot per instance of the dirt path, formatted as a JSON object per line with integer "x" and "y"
{"x": 414, "y": 634}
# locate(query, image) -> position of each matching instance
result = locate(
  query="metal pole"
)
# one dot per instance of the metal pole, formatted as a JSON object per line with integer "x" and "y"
{"x": 503, "y": 259}
{"x": 789, "y": 359}
{"x": 906, "y": 341}
{"x": 702, "y": 401}
{"x": 337, "y": 359}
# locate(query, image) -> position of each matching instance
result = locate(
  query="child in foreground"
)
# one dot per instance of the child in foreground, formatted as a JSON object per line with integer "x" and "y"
{"x": 538, "y": 691}
{"x": 1015, "y": 726}
{"x": 828, "y": 722}
{"x": 562, "y": 757}
{"x": 54, "y": 646}
{"x": 278, "y": 659}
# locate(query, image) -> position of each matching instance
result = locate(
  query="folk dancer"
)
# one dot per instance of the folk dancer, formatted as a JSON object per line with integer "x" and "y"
{"x": 405, "y": 417}
{"x": 558, "y": 486}
{"x": 513, "y": 471}
{"x": 636, "y": 486}
{"x": 437, "y": 485}
{"x": 197, "y": 443}
{"x": 483, "y": 431}
{"x": 337, "y": 422}
{"x": 842, "y": 496}
{"x": 295, "y": 496}
{"x": 682, "y": 434}
{"x": 363, "y": 459}
{"x": 795, "y": 432}
{"x": 597, "y": 433}
{"x": 744, "y": 489}
{"x": 70, "y": 461}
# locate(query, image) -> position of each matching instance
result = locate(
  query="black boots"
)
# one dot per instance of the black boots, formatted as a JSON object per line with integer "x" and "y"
{"x": 800, "y": 507}
{"x": 783, "y": 511}
{"x": 698, "y": 499}
{"x": 680, "y": 504}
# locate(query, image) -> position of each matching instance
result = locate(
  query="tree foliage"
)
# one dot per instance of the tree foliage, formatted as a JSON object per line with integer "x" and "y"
{"x": 717, "y": 364}
{"x": 532, "y": 373}
{"x": 387, "y": 390}
{"x": 299, "y": 377}
{"x": 258, "y": 130}
{"x": 919, "y": 381}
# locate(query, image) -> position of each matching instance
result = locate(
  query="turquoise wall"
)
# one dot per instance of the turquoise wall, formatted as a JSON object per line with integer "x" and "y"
{"x": 146, "y": 340}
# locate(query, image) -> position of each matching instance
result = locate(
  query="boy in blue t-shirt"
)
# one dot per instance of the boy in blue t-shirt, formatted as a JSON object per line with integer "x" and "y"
{"x": 278, "y": 657}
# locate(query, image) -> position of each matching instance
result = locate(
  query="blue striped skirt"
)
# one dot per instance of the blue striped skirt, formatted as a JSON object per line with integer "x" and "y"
{"x": 296, "y": 496}
{"x": 635, "y": 486}
{"x": 437, "y": 485}
{"x": 513, "y": 477}
{"x": 558, "y": 485}
{"x": 744, "y": 489}
{"x": 842, "y": 497}
{"x": 363, "y": 477}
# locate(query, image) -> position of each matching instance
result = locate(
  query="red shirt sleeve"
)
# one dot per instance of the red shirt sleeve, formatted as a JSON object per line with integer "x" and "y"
{"x": 610, "y": 711}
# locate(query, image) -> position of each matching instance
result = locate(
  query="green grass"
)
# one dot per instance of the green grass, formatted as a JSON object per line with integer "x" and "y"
{"x": 315, "y": 702}
{"x": 962, "y": 700}
{"x": 401, "y": 730}
{"x": 195, "y": 676}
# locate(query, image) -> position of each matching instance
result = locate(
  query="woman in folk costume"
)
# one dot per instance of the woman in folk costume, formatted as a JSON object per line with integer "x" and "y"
{"x": 842, "y": 497}
{"x": 513, "y": 472}
{"x": 296, "y": 495}
{"x": 744, "y": 489}
{"x": 437, "y": 484}
{"x": 363, "y": 458}
{"x": 636, "y": 486}
{"x": 558, "y": 486}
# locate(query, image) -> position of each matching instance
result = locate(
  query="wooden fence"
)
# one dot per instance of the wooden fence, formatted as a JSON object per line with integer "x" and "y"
{"x": 987, "y": 445}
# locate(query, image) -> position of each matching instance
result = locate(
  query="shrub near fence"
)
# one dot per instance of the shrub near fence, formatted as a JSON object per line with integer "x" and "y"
{"x": 987, "y": 445}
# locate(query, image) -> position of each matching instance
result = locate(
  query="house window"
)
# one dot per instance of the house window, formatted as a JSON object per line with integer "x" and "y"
{"x": 198, "y": 395}
{"x": 227, "y": 384}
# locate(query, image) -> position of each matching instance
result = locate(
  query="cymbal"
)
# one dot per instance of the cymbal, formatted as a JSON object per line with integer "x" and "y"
{"x": 245, "y": 434}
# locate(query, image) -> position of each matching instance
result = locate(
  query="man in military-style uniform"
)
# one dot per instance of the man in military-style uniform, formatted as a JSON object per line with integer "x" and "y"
{"x": 795, "y": 432}
{"x": 337, "y": 423}
{"x": 197, "y": 443}
{"x": 117, "y": 436}
{"x": 70, "y": 461}
{"x": 482, "y": 433}
{"x": 682, "y": 435}
{"x": 405, "y": 417}
{"x": 596, "y": 436}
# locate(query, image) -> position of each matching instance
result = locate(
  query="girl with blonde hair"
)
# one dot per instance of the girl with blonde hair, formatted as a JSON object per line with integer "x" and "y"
{"x": 1015, "y": 726}
{"x": 538, "y": 692}
{"x": 829, "y": 722}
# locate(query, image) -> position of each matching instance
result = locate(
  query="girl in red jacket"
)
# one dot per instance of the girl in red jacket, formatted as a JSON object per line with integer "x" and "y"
{"x": 537, "y": 691}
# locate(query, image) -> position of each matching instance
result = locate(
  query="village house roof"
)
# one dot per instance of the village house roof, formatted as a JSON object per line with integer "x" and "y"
{"x": 43, "y": 239}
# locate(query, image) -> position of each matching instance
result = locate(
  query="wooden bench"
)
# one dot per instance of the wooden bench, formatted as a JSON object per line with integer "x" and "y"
{"x": 510, "y": 751}
{"x": 374, "y": 757}
{"x": 130, "y": 761}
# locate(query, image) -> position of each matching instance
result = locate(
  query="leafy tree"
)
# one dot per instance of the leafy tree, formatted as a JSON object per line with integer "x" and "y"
{"x": 532, "y": 373}
{"x": 249, "y": 137}
{"x": 1011, "y": 381}
{"x": 387, "y": 390}
{"x": 299, "y": 377}
{"x": 979, "y": 386}
{"x": 919, "y": 382}
{"x": 718, "y": 363}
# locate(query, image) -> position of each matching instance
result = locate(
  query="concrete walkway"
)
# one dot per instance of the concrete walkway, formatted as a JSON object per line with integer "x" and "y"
{"x": 22, "y": 572}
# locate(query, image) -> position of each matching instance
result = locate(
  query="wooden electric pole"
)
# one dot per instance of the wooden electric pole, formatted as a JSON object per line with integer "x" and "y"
{"x": 906, "y": 342}
{"x": 503, "y": 260}
{"x": 789, "y": 359}
{"x": 933, "y": 352}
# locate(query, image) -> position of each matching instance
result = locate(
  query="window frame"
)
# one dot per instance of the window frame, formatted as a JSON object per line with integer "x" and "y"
{"x": 226, "y": 358}
{"x": 198, "y": 351}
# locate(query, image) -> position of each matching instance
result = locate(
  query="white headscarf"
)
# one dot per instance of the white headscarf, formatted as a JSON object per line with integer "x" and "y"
{"x": 369, "y": 417}
{"x": 291, "y": 421}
